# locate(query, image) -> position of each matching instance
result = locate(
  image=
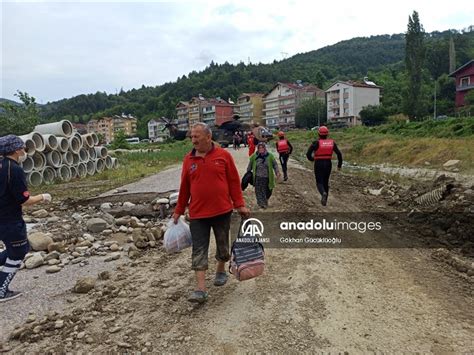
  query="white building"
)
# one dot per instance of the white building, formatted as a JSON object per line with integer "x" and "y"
{"x": 345, "y": 100}
{"x": 157, "y": 131}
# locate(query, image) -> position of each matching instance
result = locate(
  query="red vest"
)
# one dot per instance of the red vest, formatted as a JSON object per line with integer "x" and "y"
{"x": 282, "y": 146}
{"x": 325, "y": 149}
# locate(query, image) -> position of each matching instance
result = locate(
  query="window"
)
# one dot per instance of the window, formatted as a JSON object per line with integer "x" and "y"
{"x": 464, "y": 81}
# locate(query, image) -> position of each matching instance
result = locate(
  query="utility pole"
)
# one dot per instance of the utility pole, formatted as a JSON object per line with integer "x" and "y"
{"x": 434, "y": 111}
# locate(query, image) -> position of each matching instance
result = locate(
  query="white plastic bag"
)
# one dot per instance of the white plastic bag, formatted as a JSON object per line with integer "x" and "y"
{"x": 177, "y": 236}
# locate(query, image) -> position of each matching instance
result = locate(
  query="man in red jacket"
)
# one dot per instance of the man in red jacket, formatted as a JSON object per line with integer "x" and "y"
{"x": 210, "y": 188}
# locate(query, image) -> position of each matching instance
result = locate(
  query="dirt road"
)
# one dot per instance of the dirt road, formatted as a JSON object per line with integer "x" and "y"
{"x": 334, "y": 300}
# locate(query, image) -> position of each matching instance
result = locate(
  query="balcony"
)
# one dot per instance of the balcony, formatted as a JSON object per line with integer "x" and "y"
{"x": 345, "y": 95}
{"x": 465, "y": 87}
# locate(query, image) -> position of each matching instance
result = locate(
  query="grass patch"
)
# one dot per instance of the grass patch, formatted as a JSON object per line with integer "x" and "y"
{"x": 133, "y": 167}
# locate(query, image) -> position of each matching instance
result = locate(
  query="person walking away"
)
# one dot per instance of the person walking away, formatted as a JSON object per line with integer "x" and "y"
{"x": 251, "y": 143}
{"x": 264, "y": 169}
{"x": 13, "y": 195}
{"x": 210, "y": 189}
{"x": 321, "y": 151}
{"x": 284, "y": 149}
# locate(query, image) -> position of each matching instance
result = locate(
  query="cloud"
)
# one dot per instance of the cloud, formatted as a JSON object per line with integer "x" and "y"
{"x": 54, "y": 50}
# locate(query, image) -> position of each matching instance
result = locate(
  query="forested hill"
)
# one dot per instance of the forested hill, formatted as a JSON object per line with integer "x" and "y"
{"x": 350, "y": 59}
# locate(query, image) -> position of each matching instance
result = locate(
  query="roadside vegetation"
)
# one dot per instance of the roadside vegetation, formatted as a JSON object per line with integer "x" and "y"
{"x": 133, "y": 166}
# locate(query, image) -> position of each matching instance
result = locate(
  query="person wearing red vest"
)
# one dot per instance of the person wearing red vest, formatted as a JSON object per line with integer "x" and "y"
{"x": 251, "y": 143}
{"x": 321, "y": 151}
{"x": 210, "y": 189}
{"x": 284, "y": 148}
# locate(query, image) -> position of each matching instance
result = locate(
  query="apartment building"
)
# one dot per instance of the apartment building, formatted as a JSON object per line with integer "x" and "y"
{"x": 282, "y": 101}
{"x": 110, "y": 126}
{"x": 345, "y": 100}
{"x": 200, "y": 109}
{"x": 157, "y": 131}
{"x": 464, "y": 76}
{"x": 182, "y": 113}
{"x": 250, "y": 108}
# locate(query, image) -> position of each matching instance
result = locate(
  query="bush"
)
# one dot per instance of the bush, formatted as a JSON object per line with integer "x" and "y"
{"x": 373, "y": 115}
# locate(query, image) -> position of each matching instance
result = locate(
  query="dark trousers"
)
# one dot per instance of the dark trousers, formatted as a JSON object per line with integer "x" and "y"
{"x": 284, "y": 163}
{"x": 201, "y": 235}
{"x": 13, "y": 235}
{"x": 322, "y": 172}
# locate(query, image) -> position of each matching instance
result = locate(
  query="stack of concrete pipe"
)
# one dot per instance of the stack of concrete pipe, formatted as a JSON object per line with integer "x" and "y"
{"x": 56, "y": 151}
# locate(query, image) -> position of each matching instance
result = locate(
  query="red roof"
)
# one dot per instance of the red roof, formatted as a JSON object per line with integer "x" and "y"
{"x": 471, "y": 62}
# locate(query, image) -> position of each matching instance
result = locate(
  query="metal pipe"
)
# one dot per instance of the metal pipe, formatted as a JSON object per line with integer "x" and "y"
{"x": 108, "y": 162}
{"x": 90, "y": 167}
{"x": 62, "y": 128}
{"x": 75, "y": 144}
{"x": 35, "y": 178}
{"x": 54, "y": 159}
{"x": 67, "y": 158}
{"x": 50, "y": 142}
{"x": 84, "y": 155}
{"x": 101, "y": 152}
{"x": 99, "y": 165}
{"x": 63, "y": 144}
{"x": 64, "y": 173}
{"x": 28, "y": 165}
{"x": 49, "y": 174}
{"x": 39, "y": 161}
{"x": 82, "y": 170}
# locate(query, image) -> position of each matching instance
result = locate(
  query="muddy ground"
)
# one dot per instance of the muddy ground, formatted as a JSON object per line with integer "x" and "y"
{"x": 310, "y": 299}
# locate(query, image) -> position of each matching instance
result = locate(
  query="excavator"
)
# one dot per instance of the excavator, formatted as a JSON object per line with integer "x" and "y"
{"x": 222, "y": 134}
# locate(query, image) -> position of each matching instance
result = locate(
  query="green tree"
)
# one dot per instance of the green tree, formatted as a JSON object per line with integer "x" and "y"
{"x": 373, "y": 115}
{"x": 19, "y": 119}
{"x": 120, "y": 141}
{"x": 310, "y": 113}
{"x": 414, "y": 61}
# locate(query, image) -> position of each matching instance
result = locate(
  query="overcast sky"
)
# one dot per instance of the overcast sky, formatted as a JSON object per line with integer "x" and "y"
{"x": 55, "y": 50}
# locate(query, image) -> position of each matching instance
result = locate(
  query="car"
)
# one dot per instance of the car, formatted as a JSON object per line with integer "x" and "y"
{"x": 441, "y": 117}
{"x": 145, "y": 141}
{"x": 315, "y": 128}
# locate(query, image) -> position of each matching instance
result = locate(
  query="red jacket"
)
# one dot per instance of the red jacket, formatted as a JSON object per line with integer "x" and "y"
{"x": 210, "y": 185}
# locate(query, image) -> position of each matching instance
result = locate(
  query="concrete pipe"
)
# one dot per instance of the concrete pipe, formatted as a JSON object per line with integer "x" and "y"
{"x": 35, "y": 137}
{"x": 73, "y": 172}
{"x": 95, "y": 138}
{"x": 28, "y": 165}
{"x": 68, "y": 158}
{"x": 92, "y": 154}
{"x": 39, "y": 161}
{"x": 115, "y": 163}
{"x": 63, "y": 144}
{"x": 108, "y": 162}
{"x": 49, "y": 174}
{"x": 76, "y": 159}
{"x": 54, "y": 159}
{"x": 62, "y": 128}
{"x": 90, "y": 165}
{"x": 75, "y": 144}
{"x": 83, "y": 155}
{"x": 82, "y": 170}
{"x": 30, "y": 145}
{"x": 88, "y": 141}
{"x": 35, "y": 178}
{"x": 101, "y": 152}
{"x": 99, "y": 165}
{"x": 64, "y": 173}
{"x": 50, "y": 142}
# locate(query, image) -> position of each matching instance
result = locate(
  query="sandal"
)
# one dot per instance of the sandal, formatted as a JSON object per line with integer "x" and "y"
{"x": 198, "y": 296}
{"x": 220, "y": 279}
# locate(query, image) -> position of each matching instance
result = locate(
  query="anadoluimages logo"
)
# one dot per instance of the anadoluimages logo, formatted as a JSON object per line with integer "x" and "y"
{"x": 252, "y": 227}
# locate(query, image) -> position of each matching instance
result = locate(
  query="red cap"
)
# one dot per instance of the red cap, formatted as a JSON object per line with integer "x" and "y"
{"x": 323, "y": 130}
{"x": 281, "y": 134}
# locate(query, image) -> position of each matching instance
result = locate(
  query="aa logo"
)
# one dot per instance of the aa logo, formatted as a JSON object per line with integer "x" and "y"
{"x": 252, "y": 227}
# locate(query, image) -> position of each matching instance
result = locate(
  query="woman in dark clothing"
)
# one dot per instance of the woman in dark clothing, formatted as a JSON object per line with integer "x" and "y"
{"x": 264, "y": 168}
{"x": 321, "y": 152}
{"x": 13, "y": 195}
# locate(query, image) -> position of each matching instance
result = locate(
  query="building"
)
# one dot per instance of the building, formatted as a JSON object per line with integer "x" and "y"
{"x": 199, "y": 109}
{"x": 250, "y": 108}
{"x": 345, "y": 100}
{"x": 464, "y": 81}
{"x": 80, "y": 127}
{"x": 182, "y": 112}
{"x": 110, "y": 126}
{"x": 282, "y": 101}
{"x": 157, "y": 131}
